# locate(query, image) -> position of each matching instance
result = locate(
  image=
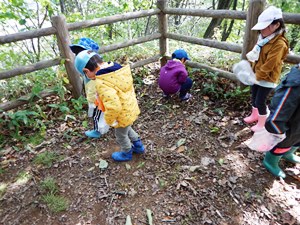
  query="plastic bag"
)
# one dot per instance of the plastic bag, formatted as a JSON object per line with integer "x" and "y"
{"x": 103, "y": 127}
{"x": 263, "y": 141}
{"x": 244, "y": 72}
{"x": 91, "y": 109}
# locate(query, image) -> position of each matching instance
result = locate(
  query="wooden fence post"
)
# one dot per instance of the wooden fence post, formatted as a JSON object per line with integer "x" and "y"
{"x": 163, "y": 28}
{"x": 250, "y": 38}
{"x": 63, "y": 41}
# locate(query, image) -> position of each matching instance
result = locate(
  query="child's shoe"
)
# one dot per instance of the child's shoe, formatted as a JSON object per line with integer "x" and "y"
{"x": 93, "y": 134}
{"x": 166, "y": 96}
{"x": 122, "y": 156}
{"x": 138, "y": 147}
{"x": 186, "y": 97}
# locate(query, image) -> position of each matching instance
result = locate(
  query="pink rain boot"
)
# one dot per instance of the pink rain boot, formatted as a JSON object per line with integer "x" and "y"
{"x": 260, "y": 124}
{"x": 253, "y": 117}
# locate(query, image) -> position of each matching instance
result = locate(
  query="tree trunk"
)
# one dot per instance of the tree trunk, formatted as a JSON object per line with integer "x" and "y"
{"x": 223, "y": 4}
{"x": 62, "y": 6}
{"x": 226, "y": 32}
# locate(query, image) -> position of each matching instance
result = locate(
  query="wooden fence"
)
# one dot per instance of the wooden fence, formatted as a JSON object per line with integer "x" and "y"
{"x": 61, "y": 29}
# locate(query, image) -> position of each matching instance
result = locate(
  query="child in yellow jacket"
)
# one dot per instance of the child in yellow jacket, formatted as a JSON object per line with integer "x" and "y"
{"x": 114, "y": 86}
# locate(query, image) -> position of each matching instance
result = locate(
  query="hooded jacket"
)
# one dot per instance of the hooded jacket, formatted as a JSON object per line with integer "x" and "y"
{"x": 269, "y": 65}
{"x": 116, "y": 93}
{"x": 285, "y": 109}
{"x": 172, "y": 76}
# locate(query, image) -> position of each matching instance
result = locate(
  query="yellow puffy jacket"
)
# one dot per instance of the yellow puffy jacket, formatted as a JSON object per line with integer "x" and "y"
{"x": 269, "y": 65}
{"x": 90, "y": 91}
{"x": 116, "y": 93}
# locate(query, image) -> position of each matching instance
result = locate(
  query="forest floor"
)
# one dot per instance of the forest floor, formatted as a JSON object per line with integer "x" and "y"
{"x": 195, "y": 170}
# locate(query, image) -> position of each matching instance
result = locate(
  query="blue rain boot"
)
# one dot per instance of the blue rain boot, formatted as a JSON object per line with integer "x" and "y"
{"x": 138, "y": 147}
{"x": 122, "y": 156}
{"x": 93, "y": 134}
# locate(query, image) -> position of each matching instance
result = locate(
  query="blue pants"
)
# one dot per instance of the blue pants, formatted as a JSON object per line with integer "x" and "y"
{"x": 185, "y": 87}
{"x": 259, "y": 96}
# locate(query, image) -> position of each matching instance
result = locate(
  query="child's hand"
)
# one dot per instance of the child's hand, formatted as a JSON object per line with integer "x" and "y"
{"x": 115, "y": 123}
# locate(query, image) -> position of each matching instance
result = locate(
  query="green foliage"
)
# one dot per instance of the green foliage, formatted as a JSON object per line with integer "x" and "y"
{"x": 3, "y": 187}
{"x": 46, "y": 158}
{"x": 23, "y": 177}
{"x": 239, "y": 94}
{"x": 55, "y": 203}
{"x": 214, "y": 130}
{"x": 62, "y": 107}
{"x": 21, "y": 118}
{"x": 78, "y": 104}
{"x": 49, "y": 185}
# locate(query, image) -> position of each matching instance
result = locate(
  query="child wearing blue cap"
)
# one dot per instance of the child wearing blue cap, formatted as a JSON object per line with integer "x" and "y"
{"x": 90, "y": 89}
{"x": 174, "y": 76}
{"x": 115, "y": 93}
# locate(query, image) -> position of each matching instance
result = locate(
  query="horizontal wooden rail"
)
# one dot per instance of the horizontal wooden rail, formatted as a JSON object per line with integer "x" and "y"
{"x": 48, "y": 63}
{"x": 77, "y": 25}
{"x": 125, "y": 44}
{"x": 29, "y": 68}
{"x": 25, "y": 100}
{"x": 292, "y": 18}
{"x": 222, "y": 45}
{"x": 145, "y": 61}
{"x": 295, "y": 59}
{"x": 206, "y": 42}
{"x": 228, "y": 14}
{"x": 112, "y": 19}
{"x": 27, "y": 35}
{"x": 217, "y": 71}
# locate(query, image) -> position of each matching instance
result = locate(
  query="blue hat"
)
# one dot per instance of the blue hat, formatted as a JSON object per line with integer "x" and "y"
{"x": 85, "y": 44}
{"x": 180, "y": 54}
{"x": 82, "y": 59}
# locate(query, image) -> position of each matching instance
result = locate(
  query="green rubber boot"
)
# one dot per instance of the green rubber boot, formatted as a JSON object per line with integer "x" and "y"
{"x": 291, "y": 156}
{"x": 271, "y": 162}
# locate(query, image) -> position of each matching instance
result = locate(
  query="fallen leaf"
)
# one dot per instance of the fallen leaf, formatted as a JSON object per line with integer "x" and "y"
{"x": 181, "y": 149}
{"x": 180, "y": 142}
{"x": 128, "y": 220}
{"x": 103, "y": 164}
{"x": 149, "y": 216}
{"x": 127, "y": 166}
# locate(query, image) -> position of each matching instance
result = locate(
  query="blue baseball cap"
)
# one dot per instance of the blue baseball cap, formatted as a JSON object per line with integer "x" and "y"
{"x": 180, "y": 54}
{"x": 85, "y": 44}
{"x": 82, "y": 59}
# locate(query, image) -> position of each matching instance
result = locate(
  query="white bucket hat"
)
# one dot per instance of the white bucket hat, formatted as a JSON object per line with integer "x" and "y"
{"x": 267, "y": 17}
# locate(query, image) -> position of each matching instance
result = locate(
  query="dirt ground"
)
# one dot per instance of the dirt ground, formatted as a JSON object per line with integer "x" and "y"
{"x": 195, "y": 170}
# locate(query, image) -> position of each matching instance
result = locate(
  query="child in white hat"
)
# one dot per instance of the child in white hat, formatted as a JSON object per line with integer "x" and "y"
{"x": 267, "y": 58}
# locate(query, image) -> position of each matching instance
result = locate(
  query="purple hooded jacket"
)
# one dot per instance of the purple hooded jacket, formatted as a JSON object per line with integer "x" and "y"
{"x": 172, "y": 75}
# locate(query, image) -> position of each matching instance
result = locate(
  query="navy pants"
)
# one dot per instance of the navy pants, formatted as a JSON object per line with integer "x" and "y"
{"x": 185, "y": 87}
{"x": 96, "y": 117}
{"x": 259, "y": 96}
